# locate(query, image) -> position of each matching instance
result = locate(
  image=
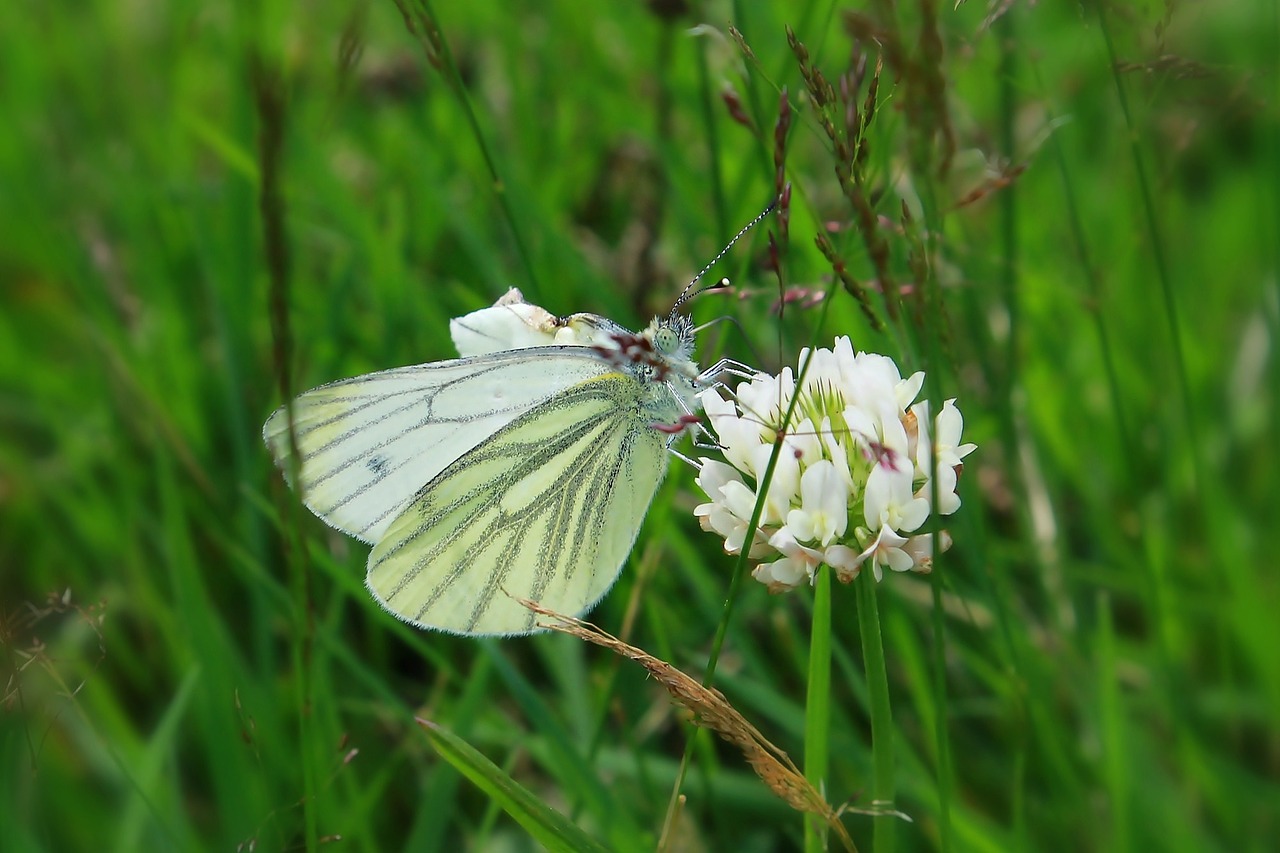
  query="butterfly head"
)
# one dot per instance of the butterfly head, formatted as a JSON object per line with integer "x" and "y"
{"x": 663, "y": 352}
{"x": 672, "y": 338}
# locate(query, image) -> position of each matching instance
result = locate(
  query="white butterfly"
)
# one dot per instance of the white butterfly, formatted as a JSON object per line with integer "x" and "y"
{"x": 521, "y": 470}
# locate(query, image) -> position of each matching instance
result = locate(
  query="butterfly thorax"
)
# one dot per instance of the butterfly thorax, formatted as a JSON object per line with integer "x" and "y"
{"x": 659, "y": 358}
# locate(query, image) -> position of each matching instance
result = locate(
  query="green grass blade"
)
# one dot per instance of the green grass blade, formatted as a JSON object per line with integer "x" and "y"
{"x": 547, "y": 826}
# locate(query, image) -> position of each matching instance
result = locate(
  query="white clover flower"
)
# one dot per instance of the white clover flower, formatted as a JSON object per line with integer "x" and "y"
{"x": 854, "y": 480}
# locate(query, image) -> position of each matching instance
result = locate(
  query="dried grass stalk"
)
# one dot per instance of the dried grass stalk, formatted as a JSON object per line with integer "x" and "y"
{"x": 711, "y": 710}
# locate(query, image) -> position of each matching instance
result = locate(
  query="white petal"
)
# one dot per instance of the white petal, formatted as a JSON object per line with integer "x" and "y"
{"x": 825, "y": 501}
{"x": 784, "y": 487}
{"x": 739, "y": 499}
{"x": 877, "y": 496}
{"x": 920, "y": 549}
{"x": 923, "y": 449}
{"x": 786, "y": 543}
{"x": 804, "y": 443}
{"x": 898, "y": 560}
{"x": 907, "y": 390}
{"x": 912, "y": 514}
{"x": 948, "y": 500}
{"x": 833, "y": 445}
{"x": 713, "y": 476}
{"x": 846, "y": 562}
{"x": 781, "y": 575}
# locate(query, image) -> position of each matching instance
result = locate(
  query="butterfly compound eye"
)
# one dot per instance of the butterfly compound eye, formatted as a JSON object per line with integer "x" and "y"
{"x": 666, "y": 340}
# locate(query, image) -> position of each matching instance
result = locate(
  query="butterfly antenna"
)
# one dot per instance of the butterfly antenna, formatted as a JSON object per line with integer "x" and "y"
{"x": 686, "y": 294}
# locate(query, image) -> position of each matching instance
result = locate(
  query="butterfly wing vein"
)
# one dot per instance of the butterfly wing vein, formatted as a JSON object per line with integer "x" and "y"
{"x": 546, "y": 509}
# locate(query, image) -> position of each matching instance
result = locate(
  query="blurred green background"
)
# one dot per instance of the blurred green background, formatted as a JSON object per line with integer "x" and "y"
{"x": 191, "y": 661}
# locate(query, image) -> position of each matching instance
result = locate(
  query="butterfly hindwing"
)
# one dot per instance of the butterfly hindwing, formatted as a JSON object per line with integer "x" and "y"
{"x": 547, "y": 508}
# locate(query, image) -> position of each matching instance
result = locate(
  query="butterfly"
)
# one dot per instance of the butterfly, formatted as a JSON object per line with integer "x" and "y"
{"x": 523, "y": 469}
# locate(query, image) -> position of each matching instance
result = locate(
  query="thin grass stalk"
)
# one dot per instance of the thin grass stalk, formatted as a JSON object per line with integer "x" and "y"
{"x": 740, "y": 569}
{"x": 707, "y": 100}
{"x": 1006, "y": 78}
{"x": 1158, "y": 254}
{"x": 929, "y": 340}
{"x": 933, "y": 329}
{"x": 882, "y": 754}
{"x": 934, "y": 325}
{"x": 817, "y": 707}
{"x": 717, "y": 643}
{"x": 1272, "y": 144}
{"x": 426, "y": 27}
{"x": 1111, "y": 727}
{"x": 941, "y": 733}
{"x": 742, "y": 24}
{"x": 269, "y": 91}
{"x": 1154, "y": 592}
{"x": 1189, "y": 750}
{"x": 1270, "y": 132}
{"x": 1096, "y": 294}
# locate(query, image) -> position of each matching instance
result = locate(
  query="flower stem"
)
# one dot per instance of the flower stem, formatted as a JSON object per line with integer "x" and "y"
{"x": 817, "y": 709}
{"x": 882, "y": 758}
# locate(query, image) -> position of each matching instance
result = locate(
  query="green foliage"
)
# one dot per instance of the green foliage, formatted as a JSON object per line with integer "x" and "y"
{"x": 1078, "y": 226}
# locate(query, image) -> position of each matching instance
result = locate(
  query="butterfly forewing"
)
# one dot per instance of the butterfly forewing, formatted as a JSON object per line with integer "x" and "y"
{"x": 369, "y": 444}
{"x": 547, "y": 508}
